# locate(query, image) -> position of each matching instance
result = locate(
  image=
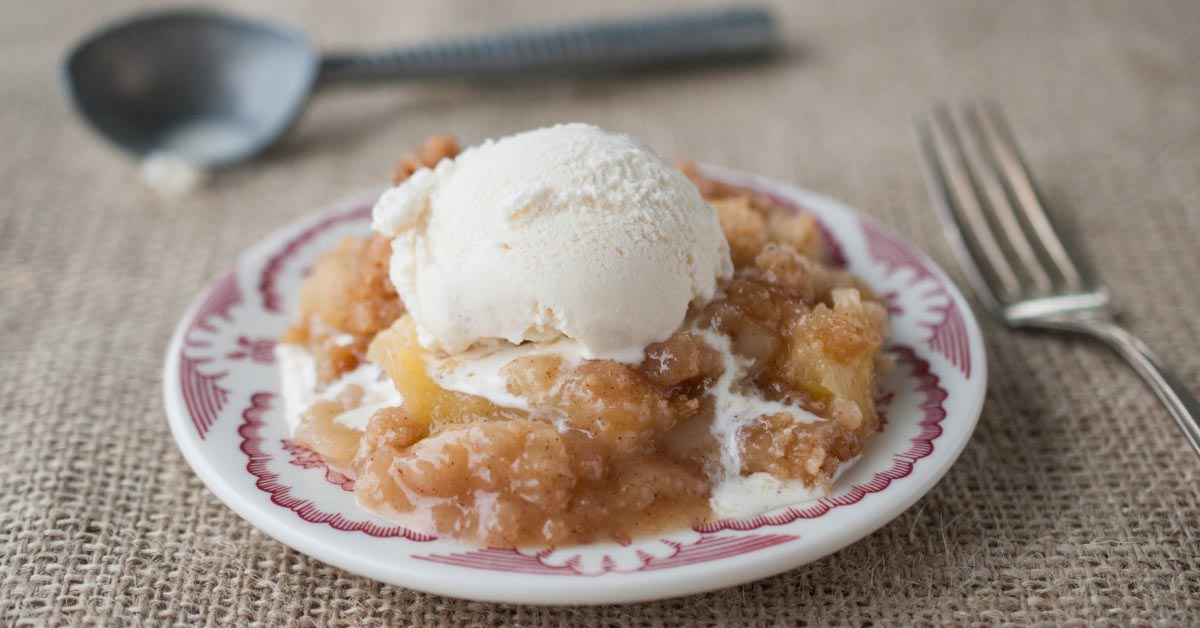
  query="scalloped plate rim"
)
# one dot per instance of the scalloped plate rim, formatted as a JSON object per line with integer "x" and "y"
{"x": 609, "y": 587}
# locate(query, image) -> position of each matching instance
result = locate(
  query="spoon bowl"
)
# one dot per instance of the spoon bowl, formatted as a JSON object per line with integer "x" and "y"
{"x": 206, "y": 88}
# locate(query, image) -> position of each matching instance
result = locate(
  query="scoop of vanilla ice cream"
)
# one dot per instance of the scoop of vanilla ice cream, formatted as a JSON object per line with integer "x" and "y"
{"x": 562, "y": 231}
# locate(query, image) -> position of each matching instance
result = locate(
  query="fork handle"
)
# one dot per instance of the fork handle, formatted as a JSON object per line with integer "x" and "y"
{"x": 1182, "y": 404}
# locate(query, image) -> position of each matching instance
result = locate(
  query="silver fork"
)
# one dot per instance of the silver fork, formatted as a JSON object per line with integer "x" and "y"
{"x": 998, "y": 227}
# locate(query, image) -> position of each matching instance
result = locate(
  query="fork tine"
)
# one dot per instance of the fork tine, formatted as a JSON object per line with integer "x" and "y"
{"x": 950, "y": 183}
{"x": 1020, "y": 183}
{"x": 984, "y": 172}
{"x": 935, "y": 180}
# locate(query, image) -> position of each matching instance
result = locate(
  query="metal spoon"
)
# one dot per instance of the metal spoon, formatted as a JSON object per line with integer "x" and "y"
{"x": 213, "y": 89}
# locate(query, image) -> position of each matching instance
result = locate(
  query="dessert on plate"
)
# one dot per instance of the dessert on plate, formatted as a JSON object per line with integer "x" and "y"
{"x": 558, "y": 337}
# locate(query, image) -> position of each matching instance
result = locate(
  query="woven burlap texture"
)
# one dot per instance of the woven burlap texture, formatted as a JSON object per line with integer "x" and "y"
{"x": 1077, "y": 498}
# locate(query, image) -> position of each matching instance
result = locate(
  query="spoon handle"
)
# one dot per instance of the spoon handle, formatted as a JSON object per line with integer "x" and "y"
{"x": 627, "y": 45}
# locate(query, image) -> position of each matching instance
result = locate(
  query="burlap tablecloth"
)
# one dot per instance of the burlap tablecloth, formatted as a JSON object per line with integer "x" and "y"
{"x": 1077, "y": 499}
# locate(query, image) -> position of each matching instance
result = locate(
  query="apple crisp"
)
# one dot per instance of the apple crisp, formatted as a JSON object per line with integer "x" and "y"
{"x": 602, "y": 449}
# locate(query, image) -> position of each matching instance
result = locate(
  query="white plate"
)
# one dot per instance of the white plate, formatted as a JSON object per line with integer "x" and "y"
{"x": 222, "y": 397}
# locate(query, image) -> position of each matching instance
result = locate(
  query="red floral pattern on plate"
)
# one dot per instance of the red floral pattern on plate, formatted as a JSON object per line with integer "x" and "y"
{"x": 947, "y": 336}
{"x": 708, "y": 548}
{"x": 202, "y": 393}
{"x": 281, "y": 494}
{"x": 261, "y": 350}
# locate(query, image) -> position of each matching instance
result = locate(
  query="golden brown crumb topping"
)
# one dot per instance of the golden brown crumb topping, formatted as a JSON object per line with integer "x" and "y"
{"x": 607, "y": 449}
{"x": 434, "y": 150}
{"x": 346, "y": 300}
